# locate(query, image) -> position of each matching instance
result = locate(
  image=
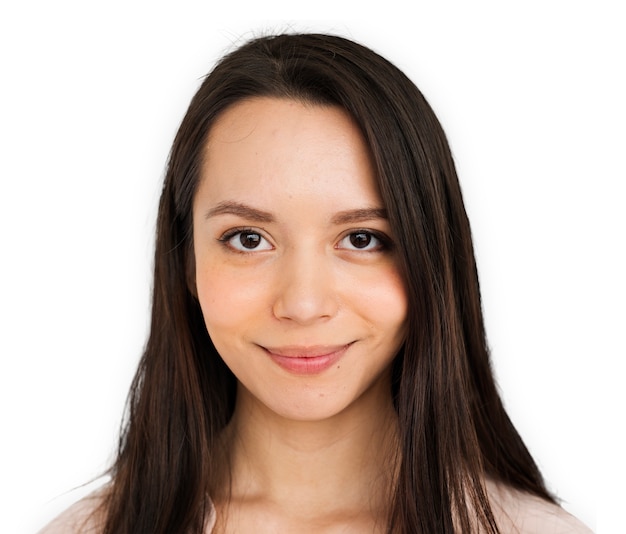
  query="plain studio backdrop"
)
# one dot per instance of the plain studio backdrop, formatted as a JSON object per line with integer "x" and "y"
{"x": 91, "y": 96}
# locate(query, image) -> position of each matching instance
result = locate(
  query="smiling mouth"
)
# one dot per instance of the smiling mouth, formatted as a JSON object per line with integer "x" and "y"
{"x": 307, "y": 360}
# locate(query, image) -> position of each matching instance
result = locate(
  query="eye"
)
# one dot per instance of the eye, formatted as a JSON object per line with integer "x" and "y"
{"x": 362, "y": 240}
{"x": 245, "y": 240}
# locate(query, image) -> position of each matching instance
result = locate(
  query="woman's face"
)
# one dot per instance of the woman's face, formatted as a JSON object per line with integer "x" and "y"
{"x": 295, "y": 269}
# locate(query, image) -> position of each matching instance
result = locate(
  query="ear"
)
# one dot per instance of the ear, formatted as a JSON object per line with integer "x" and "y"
{"x": 190, "y": 271}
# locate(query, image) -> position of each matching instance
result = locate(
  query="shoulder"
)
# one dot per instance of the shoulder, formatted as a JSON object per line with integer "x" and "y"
{"x": 520, "y": 512}
{"x": 83, "y": 517}
{"x": 86, "y": 517}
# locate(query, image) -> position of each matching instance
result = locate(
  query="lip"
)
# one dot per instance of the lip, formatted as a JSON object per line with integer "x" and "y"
{"x": 306, "y": 360}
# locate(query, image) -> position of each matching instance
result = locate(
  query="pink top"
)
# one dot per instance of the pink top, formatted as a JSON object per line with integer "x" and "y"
{"x": 514, "y": 511}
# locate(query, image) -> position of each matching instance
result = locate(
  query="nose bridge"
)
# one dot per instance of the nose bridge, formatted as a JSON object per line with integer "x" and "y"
{"x": 306, "y": 286}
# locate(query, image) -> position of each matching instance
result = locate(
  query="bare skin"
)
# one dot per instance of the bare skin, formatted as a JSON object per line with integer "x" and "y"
{"x": 308, "y": 477}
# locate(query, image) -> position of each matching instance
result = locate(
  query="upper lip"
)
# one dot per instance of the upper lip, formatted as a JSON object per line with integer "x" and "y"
{"x": 309, "y": 351}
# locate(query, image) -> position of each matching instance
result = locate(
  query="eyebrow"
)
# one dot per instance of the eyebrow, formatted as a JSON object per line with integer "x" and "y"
{"x": 240, "y": 210}
{"x": 254, "y": 214}
{"x": 359, "y": 215}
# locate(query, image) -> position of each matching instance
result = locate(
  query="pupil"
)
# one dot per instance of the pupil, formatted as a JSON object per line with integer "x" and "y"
{"x": 249, "y": 240}
{"x": 360, "y": 240}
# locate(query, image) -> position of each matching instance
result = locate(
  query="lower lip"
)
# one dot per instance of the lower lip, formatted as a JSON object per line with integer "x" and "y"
{"x": 308, "y": 365}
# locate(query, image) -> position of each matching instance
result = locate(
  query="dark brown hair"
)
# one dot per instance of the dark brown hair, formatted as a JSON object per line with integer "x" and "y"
{"x": 454, "y": 430}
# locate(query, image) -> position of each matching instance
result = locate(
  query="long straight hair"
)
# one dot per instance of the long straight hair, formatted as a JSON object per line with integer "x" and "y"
{"x": 454, "y": 431}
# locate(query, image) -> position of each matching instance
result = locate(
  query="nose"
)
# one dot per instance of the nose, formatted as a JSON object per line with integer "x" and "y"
{"x": 306, "y": 291}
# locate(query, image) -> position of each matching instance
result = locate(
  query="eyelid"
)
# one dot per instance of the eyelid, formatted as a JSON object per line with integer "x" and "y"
{"x": 225, "y": 238}
{"x": 385, "y": 242}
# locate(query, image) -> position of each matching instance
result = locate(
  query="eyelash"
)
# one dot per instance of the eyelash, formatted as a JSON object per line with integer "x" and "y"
{"x": 228, "y": 235}
{"x": 384, "y": 241}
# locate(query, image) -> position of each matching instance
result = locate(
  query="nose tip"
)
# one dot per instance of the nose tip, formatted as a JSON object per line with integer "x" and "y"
{"x": 305, "y": 294}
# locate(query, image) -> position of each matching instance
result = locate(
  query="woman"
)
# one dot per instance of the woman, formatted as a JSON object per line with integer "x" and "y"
{"x": 317, "y": 359}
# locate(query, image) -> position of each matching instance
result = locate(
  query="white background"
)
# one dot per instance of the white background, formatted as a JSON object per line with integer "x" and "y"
{"x": 531, "y": 96}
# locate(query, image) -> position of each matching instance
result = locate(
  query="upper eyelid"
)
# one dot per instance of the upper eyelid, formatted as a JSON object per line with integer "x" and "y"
{"x": 232, "y": 232}
{"x": 385, "y": 240}
{"x": 376, "y": 233}
{"x": 239, "y": 229}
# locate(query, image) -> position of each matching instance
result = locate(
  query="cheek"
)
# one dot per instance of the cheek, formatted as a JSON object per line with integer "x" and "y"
{"x": 383, "y": 297}
{"x": 228, "y": 298}
{"x": 396, "y": 309}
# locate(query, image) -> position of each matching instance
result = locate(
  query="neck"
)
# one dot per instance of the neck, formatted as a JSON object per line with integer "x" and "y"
{"x": 341, "y": 462}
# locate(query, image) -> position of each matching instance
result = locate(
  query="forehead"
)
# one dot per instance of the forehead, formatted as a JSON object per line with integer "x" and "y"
{"x": 286, "y": 144}
{"x": 282, "y": 119}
